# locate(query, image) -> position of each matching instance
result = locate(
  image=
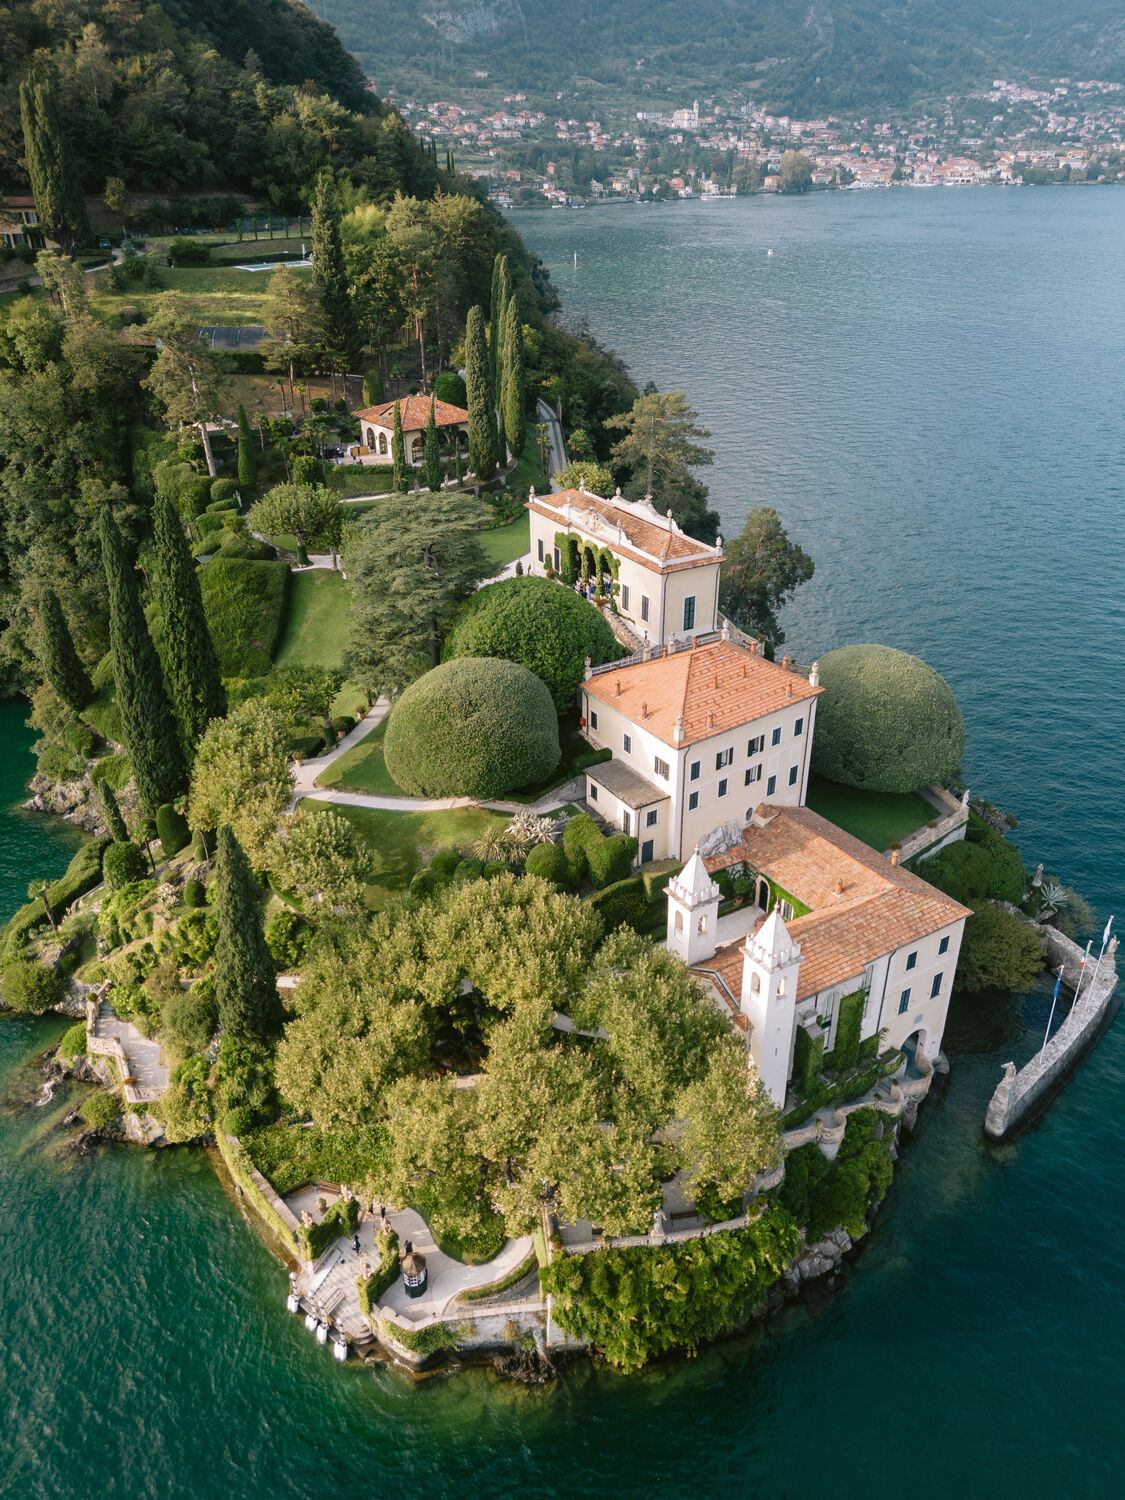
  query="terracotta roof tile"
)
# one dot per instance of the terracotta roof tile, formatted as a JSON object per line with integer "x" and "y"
{"x": 878, "y": 907}
{"x": 626, "y": 526}
{"x": 415, "y": 413}
{"x": 717, "y": 686}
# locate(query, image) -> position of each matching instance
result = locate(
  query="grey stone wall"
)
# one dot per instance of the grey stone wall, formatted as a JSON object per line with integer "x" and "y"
{"x": 1018, "y": 1092}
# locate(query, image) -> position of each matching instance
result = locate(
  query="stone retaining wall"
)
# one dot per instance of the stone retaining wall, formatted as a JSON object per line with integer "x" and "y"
{"x": 1019, "y": 1092}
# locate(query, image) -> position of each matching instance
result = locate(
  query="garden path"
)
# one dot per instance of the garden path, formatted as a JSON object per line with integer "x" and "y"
{"x": 143, "y": 1055}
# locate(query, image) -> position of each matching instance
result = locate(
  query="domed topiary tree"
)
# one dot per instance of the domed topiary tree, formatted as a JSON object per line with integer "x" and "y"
{"x": 886, "y": 722}
{"x": 472, "y": 728}
{"x": 547, "y": 629}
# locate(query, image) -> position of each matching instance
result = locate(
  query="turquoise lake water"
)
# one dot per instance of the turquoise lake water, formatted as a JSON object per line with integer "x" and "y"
{"x": 928, "y": 388}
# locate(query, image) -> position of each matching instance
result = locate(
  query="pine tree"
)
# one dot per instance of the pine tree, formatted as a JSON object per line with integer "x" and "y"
{"x": 247, "y": 458}
{"x": 62, "y": 665}
{"x": 245, "y": 978}
{"x": 373, "y": 392}
{"x": 402, "y": 478}
{"x": 513, "y": 404}
{"x": 329, "y": 272}
{"x": 150, "y": 728}
{"x": 195, "y": 685}
{"x": 482, "y": 407}
{"x": 55, "y": 184}
{"x": 112, "y": 813}
{"x": 432, "y": 451}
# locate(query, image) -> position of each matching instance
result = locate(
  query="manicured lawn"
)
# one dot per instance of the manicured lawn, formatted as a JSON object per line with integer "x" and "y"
{"x": 363, "y": 768}
{"x": 503, "y": 544}
{"x": 316, "y": 627}
{"x": 878, "y": 818}
{"x": 215, "y": 294}
{"x": 402, "y": 842}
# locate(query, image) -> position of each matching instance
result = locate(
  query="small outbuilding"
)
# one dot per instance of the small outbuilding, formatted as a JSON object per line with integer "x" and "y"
{"x": 376, "y": 427}
{"x": 414, "y": 1272}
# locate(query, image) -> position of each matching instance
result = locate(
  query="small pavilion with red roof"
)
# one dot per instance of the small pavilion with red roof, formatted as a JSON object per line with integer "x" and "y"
{"x": 376, "y": 427}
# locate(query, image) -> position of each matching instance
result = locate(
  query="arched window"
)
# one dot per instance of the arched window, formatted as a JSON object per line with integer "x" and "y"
{"x": 679, "y": 921}
{"x": 755, "y": 984}
{"x": 371, "y": 437}
{"x": 382, "y": 442}
{"x": 702, "y": 925}
{"x": 763, "y": 894}
{"x": 416, "y": 451}
{"x": 782, "y": 985}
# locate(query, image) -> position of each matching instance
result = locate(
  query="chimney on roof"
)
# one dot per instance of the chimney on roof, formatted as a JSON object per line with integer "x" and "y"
{"x": 789, "y": 688}
{"x": 678, "y": 730}
{"x": 745, "y": 672}
{"x": 753, "y": 648}
{"x": 710, "y": 721}
{"x": 644, "y": 709}
{"x": 838, "y": 888}
{"x": 589, "y": 669}
{"x": 814, "y": 674}
{"x": 894, "y": 856}
{"x": 617, "y": 687}
{"x": 785, "y": 664}
{"x": 725, "y": 632}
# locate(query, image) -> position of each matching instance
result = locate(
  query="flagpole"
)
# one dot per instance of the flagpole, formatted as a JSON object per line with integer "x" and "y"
{"x": 1054, "y": 1002}
{"x": 1101, "y": 955}
{"x": 1081, "y": 977}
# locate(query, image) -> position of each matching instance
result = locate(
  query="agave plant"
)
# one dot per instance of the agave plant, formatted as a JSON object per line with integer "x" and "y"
{"x": 1054, "y": 894}
{"x": 492, "y": 846}
{"x": 527, "y": 829}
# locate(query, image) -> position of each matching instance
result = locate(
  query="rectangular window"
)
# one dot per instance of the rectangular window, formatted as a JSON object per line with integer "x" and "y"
{"x": 692, "y": 801}
{"x": 756, "y": 745}
{"x": 626, "y": 822}
{"x": 904, "y": 1002}
{"x": 800, "y": 724}
{"x": 943, "y": 946}
{"x": 771, "y": 786}
{"x": 646, "y": 852}
{"x": 912, "y": 959}
{"x": 625, "y": 596}
{"x": 722, "y": 787}
{"x": 558, "y": 560}
{"x": 753, "y": 774}
{"x": 775, "y": 738}
{"x": 723, "y": 759}
{"x": 935, "y": 987}
{"x": 644, "y": 606}
{"x": 660, "y": 767}
{"x": 628, "y": 743}
{"x": 793, "y": 770}
{"x": 786, "y": 912}
{"x": 689, "y": 612}
{"x": 539, "y": 544}
{"x": 593, "y": 718}
{"x": 650, "y": 818}
{"x": 694, "y": 770}
{"x": 593, "y": 792}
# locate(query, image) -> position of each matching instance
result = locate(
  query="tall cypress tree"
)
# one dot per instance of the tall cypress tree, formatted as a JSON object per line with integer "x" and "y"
{"x": 195, "y": 685}
{"x": 247, "y": 458}
{"x": 432, "y": 451}
{"x": 482, "y": 407}
{"x": 245, "y": 978}
{"x": 150, "y": 727}
{"x": 449, "y": 165}
{"x": 329, "y": 272}
{"x": 61, "y": 663}
{"x": 513, "y": 404}
{"x": 373, "y": 392}
{"x": 113, "y": 819}
{"x": 55, "y": 184}
{"x": 497, "y": 303}
{"x": 401, "y": 479}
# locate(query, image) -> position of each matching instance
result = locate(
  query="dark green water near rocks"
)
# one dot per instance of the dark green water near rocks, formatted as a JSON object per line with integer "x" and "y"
{"x": 929, "y": 392}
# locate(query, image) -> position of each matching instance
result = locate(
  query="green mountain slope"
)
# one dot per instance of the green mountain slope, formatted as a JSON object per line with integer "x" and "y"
{"x": 804, "y": 56}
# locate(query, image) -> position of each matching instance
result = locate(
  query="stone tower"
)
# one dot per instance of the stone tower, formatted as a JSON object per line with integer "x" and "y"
{"x": 693, "y": 912}
{"x": 769, "y": 1001}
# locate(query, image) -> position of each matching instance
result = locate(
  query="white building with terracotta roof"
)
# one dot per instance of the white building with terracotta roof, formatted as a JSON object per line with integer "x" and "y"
{"x": 701, "y": 733}
{"x": 829, "y": 920}
{"x": 376, "y": 426}
{"x": 665, "y": 583}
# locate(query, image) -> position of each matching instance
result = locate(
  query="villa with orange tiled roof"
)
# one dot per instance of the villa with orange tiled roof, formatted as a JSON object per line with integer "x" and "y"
{"x": 376, "y": 426}
{"x": 700, "y": 733}
{"x": 665, "y": 583}
{"x": 829, "y": 921}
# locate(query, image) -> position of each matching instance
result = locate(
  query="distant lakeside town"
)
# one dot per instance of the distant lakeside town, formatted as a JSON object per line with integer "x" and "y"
{"x": 529, "y": 155}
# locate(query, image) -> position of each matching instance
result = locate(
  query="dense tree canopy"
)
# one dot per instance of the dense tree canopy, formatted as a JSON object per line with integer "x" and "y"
{"x": 885, "y": 722}
{"x": 473, "y": 727}
{"x": 536, "y": 622}
{"x": 761, "y": 571}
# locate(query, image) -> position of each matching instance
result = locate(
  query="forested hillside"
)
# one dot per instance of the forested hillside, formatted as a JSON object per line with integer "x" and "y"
{"x": 799, "y": 57}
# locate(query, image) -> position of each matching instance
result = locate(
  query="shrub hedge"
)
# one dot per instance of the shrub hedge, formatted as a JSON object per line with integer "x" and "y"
{"x": 31, "y": 986}
{"x": 340, "y": 1219}
{"x": 73, "y": 1042}
{"x": 244, "y": 602}
{"x": 987, "y": 867}
{"x": 547, "y": 629}
{"x": 623, "y": 904}
{"x": 886, "y": 722}
{"x": 550, "y": 862}
{"x": 173, "y": 832}
{"x": 472, "y": 728}
{"x": 123, "y": 864}
{"x": 607, "y": 860}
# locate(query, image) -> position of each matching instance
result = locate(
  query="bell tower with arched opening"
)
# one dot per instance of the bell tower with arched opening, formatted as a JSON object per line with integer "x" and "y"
{"x": 771, "y": 961}
{"x": 693, "y": 912}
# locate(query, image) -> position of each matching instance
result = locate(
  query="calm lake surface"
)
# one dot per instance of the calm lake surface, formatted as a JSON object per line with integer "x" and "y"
{"x": 927, "y": 386}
